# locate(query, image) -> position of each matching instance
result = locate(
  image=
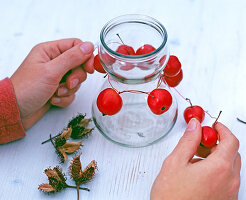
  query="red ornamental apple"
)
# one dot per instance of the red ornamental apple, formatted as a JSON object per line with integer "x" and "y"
{"x": 126, "y": 50}
{"x": 97, "y": 65}
{"x": 109, "y": 102}
{"x": 173, "y": 81}
{"x": 209, "y": 136}
{"x": 159, "y": 101}
{"x": 173, "y": 66}
{"x": 145, "y": 49}
{"x": 194, "y": 112}
{"x": 107, "y": 59}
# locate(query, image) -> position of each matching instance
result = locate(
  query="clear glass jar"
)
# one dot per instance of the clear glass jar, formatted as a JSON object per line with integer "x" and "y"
{"x": 135, "y": 125}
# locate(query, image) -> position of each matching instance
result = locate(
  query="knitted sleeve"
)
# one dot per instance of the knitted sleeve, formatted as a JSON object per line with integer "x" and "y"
{"x": 10, "y": 122}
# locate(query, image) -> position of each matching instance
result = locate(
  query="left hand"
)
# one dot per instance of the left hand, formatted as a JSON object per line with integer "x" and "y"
{"x": 37, "y": 81}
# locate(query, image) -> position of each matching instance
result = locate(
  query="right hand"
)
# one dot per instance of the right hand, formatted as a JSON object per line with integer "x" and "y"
{"x": 216, "y": 177}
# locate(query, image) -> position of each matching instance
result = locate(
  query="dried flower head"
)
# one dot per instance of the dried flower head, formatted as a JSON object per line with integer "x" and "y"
{"x": 78, "y": 125}
{"x": 76, "y": 120}
{"x": 80, "y": 176}
{"x": 80, "y": 132}
{"x": 57, "y": 180}
{"x": 67, "y": 148}
{"x": 63, "y": 137}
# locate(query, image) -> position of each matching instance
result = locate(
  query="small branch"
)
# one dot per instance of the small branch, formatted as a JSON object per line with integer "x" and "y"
{"x": 241, "y": 121}
{"x": 81, "y": 188}
{"x": 50, "y": 139}
{"x": 78, "y": 191}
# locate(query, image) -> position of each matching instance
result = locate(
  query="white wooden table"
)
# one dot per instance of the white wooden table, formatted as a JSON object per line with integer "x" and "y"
{"x": 207, "y": 36}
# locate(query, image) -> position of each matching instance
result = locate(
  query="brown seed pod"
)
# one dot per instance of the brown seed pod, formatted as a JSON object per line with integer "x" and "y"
{"x": 80, "y": 176}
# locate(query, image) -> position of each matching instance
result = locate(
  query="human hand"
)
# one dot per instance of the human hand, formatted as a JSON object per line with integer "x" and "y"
{"x": 216, "y": 177}
{"x": 37, "y": 82}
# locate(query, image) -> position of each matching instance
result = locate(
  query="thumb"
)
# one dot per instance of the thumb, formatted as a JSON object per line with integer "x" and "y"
{"x": 72, "y": 58}
{"x": 189, "y": 142}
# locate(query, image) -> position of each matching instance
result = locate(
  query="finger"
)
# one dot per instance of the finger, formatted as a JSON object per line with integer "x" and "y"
{"x": 237, "y": 165}
{"x": 189, "y": 142}
{"x": 71, "y": 58}
{"x": 64, "y": 91}
{"x": 62, "y": 101}
{"x": 228, "y": 145}
{"x": 77, "y": 76}
{"x": 235, "y": 196}
{"x": 195, "y": 160}
{"x": 88, "y": 66}
{"x": 55, "y": 48}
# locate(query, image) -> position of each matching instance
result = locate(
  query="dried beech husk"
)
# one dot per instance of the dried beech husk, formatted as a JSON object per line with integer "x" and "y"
{"x": 80, "y": 176}
{"x": 63, "y": 137}
{"x": 84, "y": 122}
{"x": 66, "y": 133}
{"x": 46, "y": 188}
{"x": 61, "y": 154}
{"x": 89, "y": 172}
{"x": 76, "y": 169}
{"x": 57, "y": 180}
{"x": 78, "y": 125}
{"x": 59, "y": 141}
{"x": 71, "y": 147}
{"x": 67, "y": 148}
{"x": 80, "y": 132}
{"x": 76, "y": 120}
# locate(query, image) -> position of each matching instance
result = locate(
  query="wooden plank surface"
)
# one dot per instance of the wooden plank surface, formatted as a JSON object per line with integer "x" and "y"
{"x": 207, "y": 36}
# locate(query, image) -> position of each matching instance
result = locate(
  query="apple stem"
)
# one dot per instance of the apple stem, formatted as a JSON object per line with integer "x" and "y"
{"x": 217, "y": 117}
{"x": 241, "y": 121}
{"x": 187, "y": 99}
{"x": 105, "y": 75}
{"x": 123, "y": 44}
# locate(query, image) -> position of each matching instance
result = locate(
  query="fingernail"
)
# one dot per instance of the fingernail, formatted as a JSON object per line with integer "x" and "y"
{"x": 87, "y": 47}
{"x": 56, "y": 100}
{"x": 62, "y": 91}
{"x": 74, "y": 83}
{"x": 192, "y": 125}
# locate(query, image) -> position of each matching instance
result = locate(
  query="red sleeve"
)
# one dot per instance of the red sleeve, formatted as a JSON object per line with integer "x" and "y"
{"x": 10, "y": 122}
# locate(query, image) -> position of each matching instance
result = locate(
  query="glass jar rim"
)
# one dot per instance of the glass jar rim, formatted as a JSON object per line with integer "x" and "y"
{"x": 134, "y": 18}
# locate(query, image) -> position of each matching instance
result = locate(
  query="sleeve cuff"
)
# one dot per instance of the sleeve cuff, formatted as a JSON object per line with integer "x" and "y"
{"x": 10, "y": 122}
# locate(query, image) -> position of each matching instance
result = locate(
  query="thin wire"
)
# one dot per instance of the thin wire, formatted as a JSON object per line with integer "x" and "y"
{"x": 112, "y": 85}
